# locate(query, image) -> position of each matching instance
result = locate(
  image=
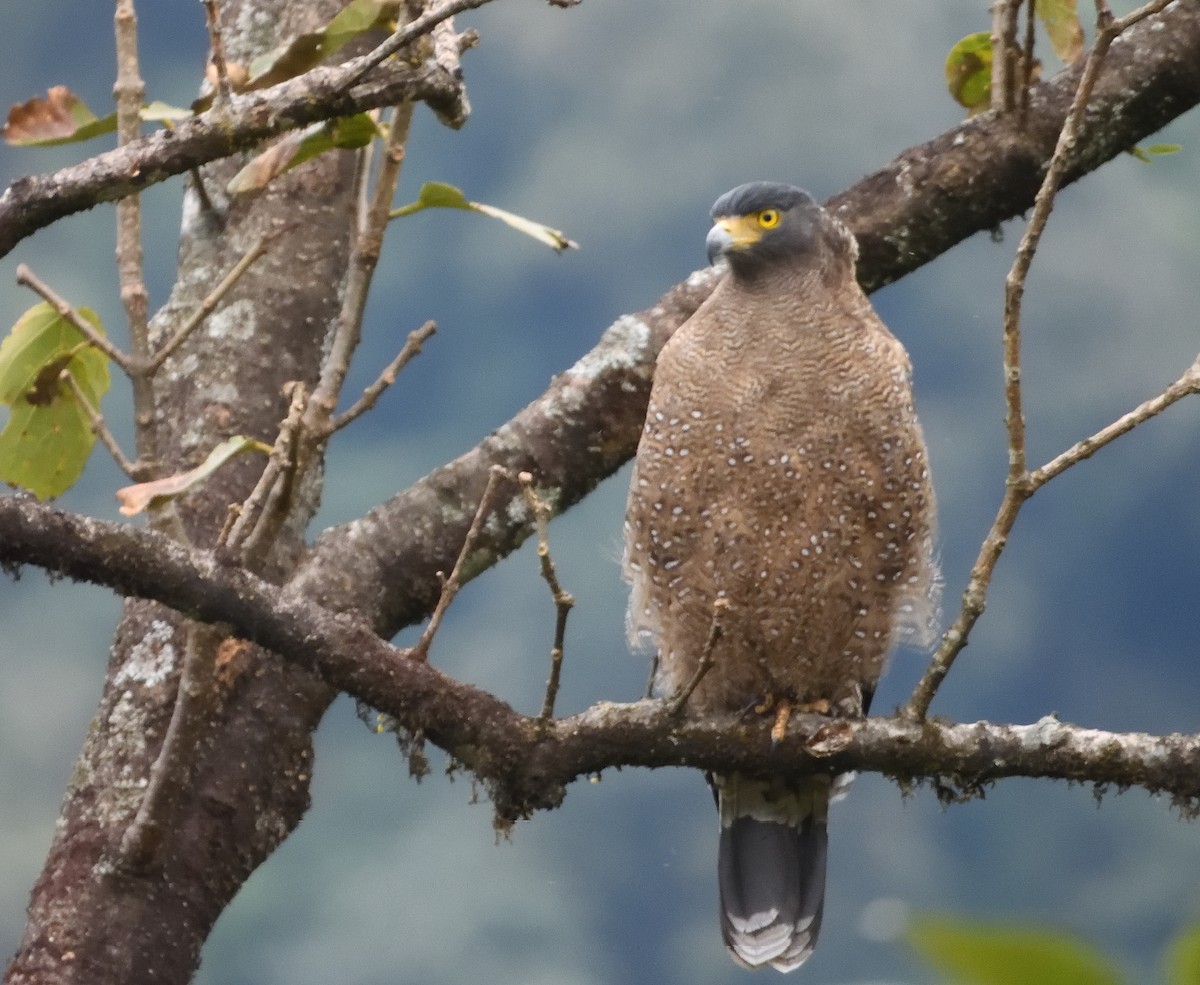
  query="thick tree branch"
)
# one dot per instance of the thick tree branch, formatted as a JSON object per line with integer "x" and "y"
{"x": 527, "y": 762}
{"x": 31, "y": 203}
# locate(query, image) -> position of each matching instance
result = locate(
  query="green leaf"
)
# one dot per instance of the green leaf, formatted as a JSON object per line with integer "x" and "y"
{"x": 1182, "y": 959}
{"x": 970, "y": 953}
{"x": 969, "y": 71}
{"x": 1147, "y": 154}
{"x": 48, "y": 438}
{"x": 297, "y": 147}
{"x": 160, "y": 112}
{"x": 136, "y": 498}
{"x": 438, "y": 195}
{"x": 44, "y": 449}
{"x": 357, "y": 18}
{"x": 1062, "y": 25}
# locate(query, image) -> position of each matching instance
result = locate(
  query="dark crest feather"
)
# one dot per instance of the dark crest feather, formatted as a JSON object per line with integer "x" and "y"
{"x": 755, "y": 196}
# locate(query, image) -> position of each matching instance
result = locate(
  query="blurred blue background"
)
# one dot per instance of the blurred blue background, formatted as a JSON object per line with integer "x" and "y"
{"x": 620, "y": 122}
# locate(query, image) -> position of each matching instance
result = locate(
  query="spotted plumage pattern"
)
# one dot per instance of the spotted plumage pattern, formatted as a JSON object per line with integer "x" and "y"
{"x": 781, "y": 469}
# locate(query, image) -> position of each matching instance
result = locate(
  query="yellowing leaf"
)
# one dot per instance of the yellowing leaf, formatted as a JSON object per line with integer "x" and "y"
{"x": 973, "y": 953}
{"x": 134, "y": 499}
{"x": 437, "y": 194}
{"x": 60, "y": 118}
{"x": 48, "y": 438}
{"x": 63, "y": 118}
{"x": 297, "y": 147}
{"x": 969, "y": 71}
{"x": 1062, "y": 27}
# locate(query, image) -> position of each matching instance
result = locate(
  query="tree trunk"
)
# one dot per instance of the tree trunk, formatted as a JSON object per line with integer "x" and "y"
{"x": 92, "y": 918}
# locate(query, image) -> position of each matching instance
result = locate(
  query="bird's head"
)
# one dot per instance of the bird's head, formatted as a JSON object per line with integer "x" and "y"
{"x": 765, "y": 223}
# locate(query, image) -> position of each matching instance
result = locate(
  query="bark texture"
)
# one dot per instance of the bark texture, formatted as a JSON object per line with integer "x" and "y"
{"x": 93, "y": 918}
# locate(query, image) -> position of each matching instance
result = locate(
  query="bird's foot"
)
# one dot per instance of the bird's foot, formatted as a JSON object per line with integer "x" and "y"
{"x": 783, "y": 713}
{"x": 784, "y": 709}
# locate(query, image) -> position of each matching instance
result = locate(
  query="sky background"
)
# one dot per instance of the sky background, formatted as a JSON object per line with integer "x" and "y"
{"x": 620, "y": 122}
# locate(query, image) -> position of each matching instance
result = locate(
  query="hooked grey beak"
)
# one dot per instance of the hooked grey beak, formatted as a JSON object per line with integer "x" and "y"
{"x": 717, "y": 241}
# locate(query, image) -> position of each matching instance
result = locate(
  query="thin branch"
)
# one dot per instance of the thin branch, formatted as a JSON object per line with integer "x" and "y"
{"x": 224, "y": 91}
{"x": 675, "y": 704}
{"x": 1004, "y": 53}
{"x": 453, "y": 583}
{"x": 1187, "y": 384}
{"x": 100, "y": 429}
{"x": 973, "y": 602}
{"x": 1121, "y": 24}
{"x": 367, "y": 246}
{"x": 1019, "y": 487}
{"x": 563, "y": 600}
{"x": 130, "y": 93}
{"x": 1027, "y": 62}
{"x": 172, "y": 768}
{"x": 370, "y": 396}
{"x": 210, "y": 302}
{"x": 240, "y": 535}
{"x": 27, "y": 278}
{"x": 363, "y": 161}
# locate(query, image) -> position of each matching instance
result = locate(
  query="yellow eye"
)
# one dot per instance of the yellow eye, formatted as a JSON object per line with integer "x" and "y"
{"x": 768, "y": 218}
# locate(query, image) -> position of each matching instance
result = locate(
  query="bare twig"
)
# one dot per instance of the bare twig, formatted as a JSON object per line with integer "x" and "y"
{"x": 217, "y": 44}
{"x": 27, "y": 278}
{"x": 1188, "y": 383}
{"x": 362, "y": 178}
{"x": 209, "y": 304}
{"x": 453, "y": 582}
{"x": 1027, "y": 62}
{"x": 371, "y": 394}
{"x": 973, "y": 602}
{"x": 130, "y": 92}
{"x": 1019, "y": 485}
{"x": 367, "y": 245}
{"x": 262, "y": 507}
{"x": 1118, "y": 25}
{"x": 677, "y": 701}
{"x": 206, "y": 203}
{"x": 100, "y": 429}
{"x": 563, "y": 600}
{"x": 171, "y": 771}
{"x": 1004, "y": 53}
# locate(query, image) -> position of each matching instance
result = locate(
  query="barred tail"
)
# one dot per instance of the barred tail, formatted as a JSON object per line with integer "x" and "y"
{"x": 771, "y": 868}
